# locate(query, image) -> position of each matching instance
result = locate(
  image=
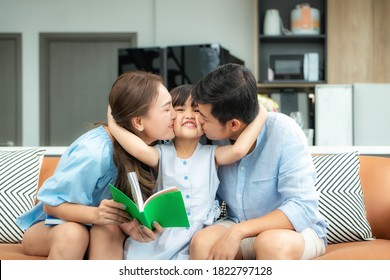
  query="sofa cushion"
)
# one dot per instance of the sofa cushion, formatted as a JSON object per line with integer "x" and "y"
{"x": 19, "y": 174}
{"x": 341, "y": 197}
{"x": 378, "y": 249}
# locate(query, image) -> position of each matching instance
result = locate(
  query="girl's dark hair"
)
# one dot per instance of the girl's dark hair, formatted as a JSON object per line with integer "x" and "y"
{"x": 131, "y": 96}
{"x": 231, "y": 89}
{"x": 181, "y": 93}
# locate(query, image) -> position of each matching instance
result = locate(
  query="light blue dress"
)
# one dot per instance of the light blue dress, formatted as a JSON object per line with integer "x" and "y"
{"x": 197, "y": 179}
{"x": 82, "y": 176}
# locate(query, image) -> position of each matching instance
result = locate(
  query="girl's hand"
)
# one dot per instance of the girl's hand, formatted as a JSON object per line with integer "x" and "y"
{"x": 110, "y": 212}
{"x": 110, "y": 118}
{"x": 141, "y": 233}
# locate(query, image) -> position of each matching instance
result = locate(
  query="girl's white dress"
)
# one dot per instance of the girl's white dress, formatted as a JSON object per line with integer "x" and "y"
{"x": 197, "y": 179}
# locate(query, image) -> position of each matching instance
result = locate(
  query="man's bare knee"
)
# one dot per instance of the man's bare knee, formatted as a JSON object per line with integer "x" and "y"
{"x": 274, "y": 244}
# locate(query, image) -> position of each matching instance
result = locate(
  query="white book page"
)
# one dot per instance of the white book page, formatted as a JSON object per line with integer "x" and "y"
{"x": 167, "y": 190}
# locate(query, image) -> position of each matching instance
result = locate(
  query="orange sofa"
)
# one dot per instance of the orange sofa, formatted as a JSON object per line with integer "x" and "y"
{"x": 15, "y": 251}
{"x": 375, "y": 180}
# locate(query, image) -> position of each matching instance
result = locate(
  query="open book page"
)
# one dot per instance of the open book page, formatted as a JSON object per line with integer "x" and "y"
{"x": 167, "y": 190}
{"x": 135, "y": 190}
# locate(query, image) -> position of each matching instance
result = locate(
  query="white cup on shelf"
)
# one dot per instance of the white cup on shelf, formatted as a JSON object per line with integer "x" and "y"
{"x": 297, "y": 117}
{"x": 272, "y": 23}
{"x": 309, "y": 133}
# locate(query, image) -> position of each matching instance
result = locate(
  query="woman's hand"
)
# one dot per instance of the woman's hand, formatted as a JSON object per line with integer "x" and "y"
{"x": 139, "y": 232}
{"x": 110, "y": 212}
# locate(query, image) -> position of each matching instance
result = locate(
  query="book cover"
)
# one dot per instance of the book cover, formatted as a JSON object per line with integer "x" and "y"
{"x": 165, "y": 207}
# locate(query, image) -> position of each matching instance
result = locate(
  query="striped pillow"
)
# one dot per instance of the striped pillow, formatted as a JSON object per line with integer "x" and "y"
{"x": 19, "y": 174}
{"x": 341, "y": 197}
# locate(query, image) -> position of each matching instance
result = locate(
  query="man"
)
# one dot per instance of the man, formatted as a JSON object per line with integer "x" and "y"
{"x": 271, "y": 199}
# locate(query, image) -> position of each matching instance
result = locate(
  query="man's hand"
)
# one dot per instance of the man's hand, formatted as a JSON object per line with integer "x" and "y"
{"x": 139, "y": 232}
{"x": 226, "y": 248}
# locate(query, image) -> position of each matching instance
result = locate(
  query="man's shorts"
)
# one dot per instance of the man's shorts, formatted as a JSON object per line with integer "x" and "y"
{"x": 314, "y": 245}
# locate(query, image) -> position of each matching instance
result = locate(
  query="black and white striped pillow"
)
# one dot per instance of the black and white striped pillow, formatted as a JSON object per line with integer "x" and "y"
{"x": 341, "y": 197}
{"x": 19, "y": 174}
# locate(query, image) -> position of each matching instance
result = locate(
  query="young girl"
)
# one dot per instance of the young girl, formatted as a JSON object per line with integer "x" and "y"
{"x": 78, "y": 192}
{"x": 187, "y": 164}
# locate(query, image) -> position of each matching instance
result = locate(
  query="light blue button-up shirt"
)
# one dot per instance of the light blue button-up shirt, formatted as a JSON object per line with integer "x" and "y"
{"x": 278, "y": 174}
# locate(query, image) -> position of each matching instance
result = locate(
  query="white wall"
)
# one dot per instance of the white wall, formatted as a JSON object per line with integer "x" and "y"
{"x": 157, "y": 23}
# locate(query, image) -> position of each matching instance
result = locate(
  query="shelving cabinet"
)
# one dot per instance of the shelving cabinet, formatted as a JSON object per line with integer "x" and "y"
{"x": 291, "y": 95}
{"x": 353, "y": 47}
{"x": 289, "y": 43}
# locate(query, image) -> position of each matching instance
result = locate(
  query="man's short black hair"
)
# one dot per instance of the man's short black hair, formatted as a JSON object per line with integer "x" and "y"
{"x": 231, "y": 90}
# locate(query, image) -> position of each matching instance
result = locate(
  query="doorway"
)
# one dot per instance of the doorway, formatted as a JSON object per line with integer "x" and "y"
{"x": 76, "y": 74}
{"x": 10, "y": 89}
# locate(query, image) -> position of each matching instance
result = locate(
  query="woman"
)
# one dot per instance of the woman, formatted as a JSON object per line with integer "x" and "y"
{"x": 78, "y": 193}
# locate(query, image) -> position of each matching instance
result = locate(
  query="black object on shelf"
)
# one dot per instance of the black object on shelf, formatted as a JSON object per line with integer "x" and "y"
{"x": 292, "y": 38}
{"x": 181, "y": 64}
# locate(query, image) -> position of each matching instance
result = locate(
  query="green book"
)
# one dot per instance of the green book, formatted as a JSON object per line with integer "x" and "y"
{"x": 165, "y": 207}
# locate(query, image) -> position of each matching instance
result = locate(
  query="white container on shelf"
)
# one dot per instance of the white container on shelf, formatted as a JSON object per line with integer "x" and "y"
{"x": 272, "y": 24}
{"x": 305, "y": 20}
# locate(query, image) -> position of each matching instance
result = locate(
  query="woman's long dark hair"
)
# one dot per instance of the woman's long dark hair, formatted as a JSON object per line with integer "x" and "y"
{"x": 130, "y": 96}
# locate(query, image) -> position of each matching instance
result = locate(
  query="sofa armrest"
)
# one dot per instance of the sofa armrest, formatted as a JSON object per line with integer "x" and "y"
{"x": 375, "y": 180}
{"x": 49, "y": 164}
